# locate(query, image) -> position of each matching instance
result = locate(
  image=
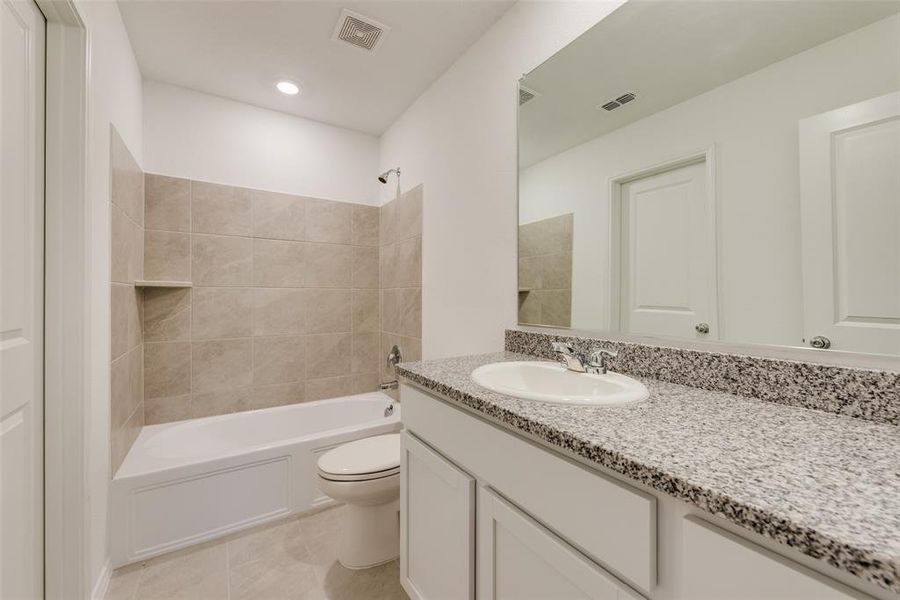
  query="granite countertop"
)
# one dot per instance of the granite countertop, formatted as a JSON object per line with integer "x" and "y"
{"x": 825, "y": 484}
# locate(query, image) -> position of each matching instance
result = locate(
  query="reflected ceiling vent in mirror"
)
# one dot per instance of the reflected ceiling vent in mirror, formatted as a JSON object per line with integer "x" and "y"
{"x": 526, "y": 95}
{"x": 623, "y": 99}
{"x": 359, "y": 31}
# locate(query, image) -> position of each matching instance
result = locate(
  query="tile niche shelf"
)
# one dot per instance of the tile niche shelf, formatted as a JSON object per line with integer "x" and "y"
{"x": 142, "y": 283}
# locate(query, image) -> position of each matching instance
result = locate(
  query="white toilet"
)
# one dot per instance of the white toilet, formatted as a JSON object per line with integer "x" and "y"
{"x": 365, "y": 475}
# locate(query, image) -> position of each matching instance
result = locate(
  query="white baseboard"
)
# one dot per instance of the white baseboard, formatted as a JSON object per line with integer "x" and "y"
{"x": 102, "y": 585}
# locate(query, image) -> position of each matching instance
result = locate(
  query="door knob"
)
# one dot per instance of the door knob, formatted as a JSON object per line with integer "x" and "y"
{"x": 820, "y": 342}
{"x": 702, "y": 328}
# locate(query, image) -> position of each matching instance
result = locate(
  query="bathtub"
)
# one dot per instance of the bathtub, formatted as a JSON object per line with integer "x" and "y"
{"x": 190, "y": 481}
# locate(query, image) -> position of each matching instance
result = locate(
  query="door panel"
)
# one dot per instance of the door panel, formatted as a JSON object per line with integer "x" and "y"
{"x": 520, "y": 560}
{"x": 850, "y": 203}
{"x": 668, "y": 260}
{"x": 437, "y": 555}
{"x": 22, "y": 30}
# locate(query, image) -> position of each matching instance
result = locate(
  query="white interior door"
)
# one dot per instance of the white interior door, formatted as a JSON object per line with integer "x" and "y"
{"x": 667, "y": 253}
{"x": 850, "y": 210}
{"x": 22, "y": 35}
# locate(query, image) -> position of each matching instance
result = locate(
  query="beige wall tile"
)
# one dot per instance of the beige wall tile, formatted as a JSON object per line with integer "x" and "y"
{"x": 328, "y": 355}
{"x": 221, "y": 365}
{"x": 364, "y": 270}
{"x": 530, "y": 272}
{"x": 221, "y": 260}
{"x": 167, "y": 256}
{"x": 127, "y": 179}
{"x": 409, "y": 214}
{"x": 167, "y": 409}
{"x": 125, "y": 319}
{"x": 221, "y": 312}
{"x": 278, "y": 216}
{"x": 388, "y": 223}
{"x": 167, "y": 369}
{"x": 556, "y": 307}
{"x": 556, "y": 271}
{"x": 122, "y": 439}
{"x": 279, "y": 359}
{"x": 364, "y": 225}
{"x": 390, "y": 310}
{"x": 530, "y": 307}
{"x": 127, "y": 259}
{"x": 167, "y": 203}
{"x": 279, "y": 311}
{"x": 365, "y": 353}
{"x": 410, "y": 300}
{"x": 167, "y": 314}
{"x": 409, "y": 262}
{"x": 388, "y": 271}
{"x": 329, "y": 387}
{"x": 328, "y": 265}
{"x": 328, "y": 310}
{"x": 126, "y": 386}
{"x": 280, "y": 394}
{"x": 279, "y": 264}
{"x": 412, "y": 348}
{"x": 328, "y": 221}
{"x": 220, "y": 209}
{"x": 365, "y": 315}
{"x": 221, "y": 402}
{"x": 365, "y": 382}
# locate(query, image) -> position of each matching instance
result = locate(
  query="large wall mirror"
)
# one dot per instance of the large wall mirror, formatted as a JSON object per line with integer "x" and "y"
{"x": 724, "y": 171}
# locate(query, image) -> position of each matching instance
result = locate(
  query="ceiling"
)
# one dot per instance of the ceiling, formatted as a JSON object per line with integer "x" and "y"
{"x": 240, "y": 49}
{"x": 668, "y": 52}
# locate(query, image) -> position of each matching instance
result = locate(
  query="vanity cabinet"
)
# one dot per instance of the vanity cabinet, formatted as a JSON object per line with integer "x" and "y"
{"x": 489, "y": 514}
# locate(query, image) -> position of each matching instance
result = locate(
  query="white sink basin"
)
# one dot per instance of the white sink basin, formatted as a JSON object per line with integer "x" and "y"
{"x": 551, "y": 382}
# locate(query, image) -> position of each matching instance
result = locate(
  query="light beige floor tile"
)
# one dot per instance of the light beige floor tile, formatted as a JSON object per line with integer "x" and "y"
{"x": 124, "y": 583}
{"x": 280, "y": 540}
{"x": 271, "y": 579}
{"x": 199, "y": 573}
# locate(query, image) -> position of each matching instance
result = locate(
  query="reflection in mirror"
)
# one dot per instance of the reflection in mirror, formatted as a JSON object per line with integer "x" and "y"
{"x": 717, "y": 171}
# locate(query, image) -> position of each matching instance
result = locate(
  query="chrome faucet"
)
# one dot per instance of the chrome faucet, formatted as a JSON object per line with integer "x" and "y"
{"x": 594, "y": 363}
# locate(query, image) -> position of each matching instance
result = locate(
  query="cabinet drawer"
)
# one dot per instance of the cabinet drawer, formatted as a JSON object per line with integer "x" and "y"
{"x": 518, "y": 559}
{"x": 612, "y": 523}
{"x": 718, "y": 564}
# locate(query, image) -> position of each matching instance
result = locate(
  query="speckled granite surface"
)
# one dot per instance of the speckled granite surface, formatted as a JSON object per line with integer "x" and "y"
{"x": 825, "y": 484}
{"x": 860, "y": 393}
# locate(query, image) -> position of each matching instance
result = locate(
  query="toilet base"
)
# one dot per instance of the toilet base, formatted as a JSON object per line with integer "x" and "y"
{"x": 370, "y": 535}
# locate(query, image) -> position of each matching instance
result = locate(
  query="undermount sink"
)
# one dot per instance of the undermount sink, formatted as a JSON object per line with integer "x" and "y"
{"x": 551, "y": 382}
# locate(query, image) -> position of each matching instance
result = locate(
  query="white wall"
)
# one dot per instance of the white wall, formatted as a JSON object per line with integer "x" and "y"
{"x": 198, "y": 136}
{"x": 115, "y": 98}
{"x": 459, "y": 140}
{"x": 753, "y": 123}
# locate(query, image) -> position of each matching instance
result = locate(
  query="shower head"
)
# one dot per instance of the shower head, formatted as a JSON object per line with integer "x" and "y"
{"x": 384, "y": 176}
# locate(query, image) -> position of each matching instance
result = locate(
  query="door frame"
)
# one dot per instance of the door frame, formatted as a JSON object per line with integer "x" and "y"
{"x": 706, "y": 156}
{"x": 66, "y": 301}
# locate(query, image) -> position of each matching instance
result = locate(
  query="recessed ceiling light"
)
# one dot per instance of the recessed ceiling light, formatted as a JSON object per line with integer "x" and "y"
{"x": 288, "y": 87}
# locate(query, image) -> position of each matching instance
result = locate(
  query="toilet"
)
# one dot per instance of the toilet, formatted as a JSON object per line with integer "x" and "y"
{"x": 365, "y": 476}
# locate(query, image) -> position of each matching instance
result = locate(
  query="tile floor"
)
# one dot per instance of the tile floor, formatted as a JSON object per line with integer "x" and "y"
{"x": 292, "y": 559}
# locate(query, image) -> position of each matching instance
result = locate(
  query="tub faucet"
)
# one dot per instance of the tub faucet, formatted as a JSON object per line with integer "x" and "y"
{"x": 594, "y": 362}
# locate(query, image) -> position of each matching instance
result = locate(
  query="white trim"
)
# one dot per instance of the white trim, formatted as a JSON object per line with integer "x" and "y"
{"x": 67, "y": 316}
{"x": 102, "y": 586}
{"x": 706, "y": 156}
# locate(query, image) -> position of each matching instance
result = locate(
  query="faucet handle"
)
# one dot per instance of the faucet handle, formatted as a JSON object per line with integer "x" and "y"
{"x": 598, "y": 353}
{"x": 562, "y": 348}
{"x": 597, "y": 360}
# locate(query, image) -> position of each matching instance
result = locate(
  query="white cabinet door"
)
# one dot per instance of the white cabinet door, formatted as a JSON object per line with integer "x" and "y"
{"x": 850, "y": 210}
{"x": 22, "y": 31}
{"x": 668, "y": 255}
{"x": 437, "y": 525}
{"x": 520, "y": 560}
{"x": 719, "y": 565}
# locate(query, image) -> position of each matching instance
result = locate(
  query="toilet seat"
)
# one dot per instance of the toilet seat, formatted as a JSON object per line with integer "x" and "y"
{"x": 362, "y": 460}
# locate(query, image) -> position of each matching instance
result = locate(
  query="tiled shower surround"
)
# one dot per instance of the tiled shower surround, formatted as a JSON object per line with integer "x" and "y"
{"x": 285, "y": 304}
{"x": 545, "y": 271}
{"x": 126, "y": 266}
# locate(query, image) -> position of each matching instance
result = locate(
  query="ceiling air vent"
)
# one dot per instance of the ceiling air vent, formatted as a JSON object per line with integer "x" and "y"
{"x": 526, "y": 95}
{"x": 359, "y": 31}
{"x": 623, "y": 99}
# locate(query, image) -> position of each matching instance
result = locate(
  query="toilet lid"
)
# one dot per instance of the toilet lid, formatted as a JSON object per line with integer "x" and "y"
{"x": 362, "y": 457}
